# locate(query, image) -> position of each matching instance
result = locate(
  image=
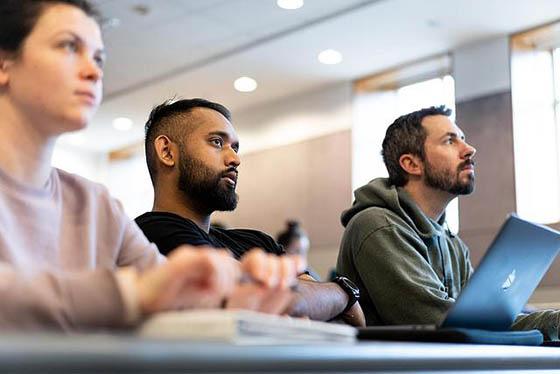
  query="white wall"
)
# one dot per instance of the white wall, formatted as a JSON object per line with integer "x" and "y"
{"x": 309, "y": 115}
{"x": 482, "y": 68}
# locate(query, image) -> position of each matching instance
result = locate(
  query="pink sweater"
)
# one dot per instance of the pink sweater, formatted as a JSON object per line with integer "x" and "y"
{"x": 59, "y": 247}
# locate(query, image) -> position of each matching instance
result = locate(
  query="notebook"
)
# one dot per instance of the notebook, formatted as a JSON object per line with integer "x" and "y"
{"x": 243, "y": 327}
{"x": 509, "y": 272}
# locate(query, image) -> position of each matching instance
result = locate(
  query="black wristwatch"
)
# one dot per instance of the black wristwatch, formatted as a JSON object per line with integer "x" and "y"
{"x": 351, "y": 290}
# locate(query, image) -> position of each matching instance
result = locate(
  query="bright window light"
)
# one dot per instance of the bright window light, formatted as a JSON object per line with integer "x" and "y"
{"x": 535, "y": 135}
{"x": 290, "y": 4}
{"x": 122, "y": 124}
{"x": 245, "y": 84}
{"x": 330, "y": 57}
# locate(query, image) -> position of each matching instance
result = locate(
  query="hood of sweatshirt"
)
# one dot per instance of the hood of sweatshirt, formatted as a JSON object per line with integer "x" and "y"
{"x": 380, "y": 193}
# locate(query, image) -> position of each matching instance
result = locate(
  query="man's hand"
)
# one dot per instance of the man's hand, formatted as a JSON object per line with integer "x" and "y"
{"x": 205, "y": 277}
{"x": 191, "y": 278}
{"x": 267, "y": 282}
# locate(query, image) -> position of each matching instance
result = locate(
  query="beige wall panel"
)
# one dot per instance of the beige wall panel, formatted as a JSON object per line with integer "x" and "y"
{"x": 487, "y": 124}
{"x": 329, "y": 187}
{"x": 323, "y": 260}
{"x": 478, "y": 241}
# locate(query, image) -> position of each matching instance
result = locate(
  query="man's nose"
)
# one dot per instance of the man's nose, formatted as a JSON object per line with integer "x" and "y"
{"x": 232, "y": 158}
{"x": 469, "y": 151}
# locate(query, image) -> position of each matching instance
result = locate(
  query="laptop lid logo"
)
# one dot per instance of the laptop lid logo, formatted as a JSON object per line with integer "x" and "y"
{"x": 509, "y": 281}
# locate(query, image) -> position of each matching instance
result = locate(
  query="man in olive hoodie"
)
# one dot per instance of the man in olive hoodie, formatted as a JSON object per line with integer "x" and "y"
{"x": 396, "y": 247}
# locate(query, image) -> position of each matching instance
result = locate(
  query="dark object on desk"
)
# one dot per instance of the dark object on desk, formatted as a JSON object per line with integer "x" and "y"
{"x": 451, "y": 335}
{"x": 551, "y": 343}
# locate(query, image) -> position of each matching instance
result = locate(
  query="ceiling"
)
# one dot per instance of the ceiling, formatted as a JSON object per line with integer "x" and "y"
{"x": 197, "y": 48}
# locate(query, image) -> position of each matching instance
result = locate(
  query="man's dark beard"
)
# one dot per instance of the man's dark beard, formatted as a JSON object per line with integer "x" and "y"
{"x": 446, "y": 181}
{"x": 203, "y": 187}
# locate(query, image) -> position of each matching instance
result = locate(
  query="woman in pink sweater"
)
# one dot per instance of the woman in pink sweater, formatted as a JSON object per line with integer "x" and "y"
{"x": 69, "y": 256}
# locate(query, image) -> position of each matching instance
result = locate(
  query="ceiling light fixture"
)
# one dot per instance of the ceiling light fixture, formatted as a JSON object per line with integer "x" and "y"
{"x": 289, "y": 4}
{"x": 330, "y": 57}
{"x": 245, "y": 84}
{"x": 122, "y": 124}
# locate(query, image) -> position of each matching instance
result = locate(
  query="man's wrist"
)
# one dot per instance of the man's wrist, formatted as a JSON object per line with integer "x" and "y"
{"x": 298, "y": 307}
{"x": 351, "y": 290}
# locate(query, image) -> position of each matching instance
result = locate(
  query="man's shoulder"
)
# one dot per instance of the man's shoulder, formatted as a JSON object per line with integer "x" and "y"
{"x": 381, "y": 230}
{"x": 163, "y": 219}
{"x": 157, "y": 225}
{"x": 168, "y": 231}
{"x": 375, "y": 218}
{"x": 248, "y": 238}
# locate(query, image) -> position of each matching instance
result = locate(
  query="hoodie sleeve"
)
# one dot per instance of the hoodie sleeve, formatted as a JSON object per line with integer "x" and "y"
{"x": 399, "y": 280}
{"x": 547, "y": 321}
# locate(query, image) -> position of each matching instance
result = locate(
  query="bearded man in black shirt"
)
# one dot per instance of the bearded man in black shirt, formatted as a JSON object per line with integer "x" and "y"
{"x": 192, "y": 156}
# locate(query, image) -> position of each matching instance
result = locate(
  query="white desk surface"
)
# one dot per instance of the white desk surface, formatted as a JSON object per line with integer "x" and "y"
{"x": 126, "y": 354}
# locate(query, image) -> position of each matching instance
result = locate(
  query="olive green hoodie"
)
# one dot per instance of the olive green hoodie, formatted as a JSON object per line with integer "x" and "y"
{"x": 409, "y": 268}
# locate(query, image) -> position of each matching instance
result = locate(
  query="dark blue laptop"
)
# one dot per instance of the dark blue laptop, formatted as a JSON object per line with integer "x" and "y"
{"x": 496, "y": 293}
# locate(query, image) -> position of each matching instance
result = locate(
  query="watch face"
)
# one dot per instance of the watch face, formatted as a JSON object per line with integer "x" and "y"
{"x": 348, "y": 286}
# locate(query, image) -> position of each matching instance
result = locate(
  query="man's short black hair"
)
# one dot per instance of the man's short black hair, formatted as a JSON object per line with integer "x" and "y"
{"x": 407, "y": 135}
{"x": 171, "y": 118}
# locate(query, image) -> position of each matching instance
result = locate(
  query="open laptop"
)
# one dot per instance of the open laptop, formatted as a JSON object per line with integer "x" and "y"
{"x": 497, "y": 291}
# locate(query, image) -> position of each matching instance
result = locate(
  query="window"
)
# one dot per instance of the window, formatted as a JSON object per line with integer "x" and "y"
{"x": 535, "y": 70}
{"x": 379, "y": 100}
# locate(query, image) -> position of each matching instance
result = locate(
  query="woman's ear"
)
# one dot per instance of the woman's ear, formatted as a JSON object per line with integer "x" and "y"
{"x": 166, "y": 150}
{"x": 5, "y": 63}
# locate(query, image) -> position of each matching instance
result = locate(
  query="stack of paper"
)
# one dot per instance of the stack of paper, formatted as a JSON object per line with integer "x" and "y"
{"x": 243, "y": 327}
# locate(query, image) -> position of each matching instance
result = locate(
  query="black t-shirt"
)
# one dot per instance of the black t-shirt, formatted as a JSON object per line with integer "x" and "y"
{"x": 168, "y": 231}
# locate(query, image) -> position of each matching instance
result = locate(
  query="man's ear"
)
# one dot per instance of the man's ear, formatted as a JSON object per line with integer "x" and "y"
{"x": 411, "y": 164}
{"x": 167, "y": 151}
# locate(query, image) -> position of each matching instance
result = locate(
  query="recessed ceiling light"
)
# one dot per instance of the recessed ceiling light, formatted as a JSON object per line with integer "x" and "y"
{"x": 330, "y": 57}
{"x": 289, "y": 4}
{"x": 245, "y": 84}
{"x": 122, "y": 124}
